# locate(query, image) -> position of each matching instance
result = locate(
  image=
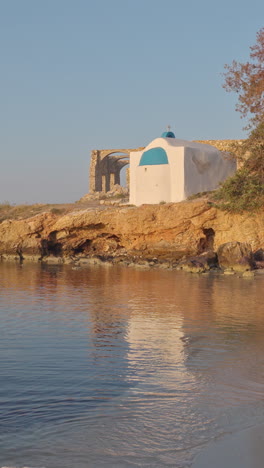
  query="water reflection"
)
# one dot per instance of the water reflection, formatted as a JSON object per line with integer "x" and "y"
{"x": 125, "y": 366}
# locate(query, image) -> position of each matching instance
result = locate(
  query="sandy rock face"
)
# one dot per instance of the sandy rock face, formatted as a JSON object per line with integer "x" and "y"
{"x": 24, "y": 236}
{"x": 169, "y": 231}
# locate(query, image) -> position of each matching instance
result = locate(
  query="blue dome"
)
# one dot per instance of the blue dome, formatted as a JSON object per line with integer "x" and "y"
{"x": 153, "y": 157}
{"x": 167, "y": 135}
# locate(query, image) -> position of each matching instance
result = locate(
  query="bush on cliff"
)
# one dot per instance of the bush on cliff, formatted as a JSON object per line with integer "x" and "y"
{"x": 245, "y": 190}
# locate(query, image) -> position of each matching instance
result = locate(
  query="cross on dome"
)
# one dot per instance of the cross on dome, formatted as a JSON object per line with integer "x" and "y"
{"x": 168, "y": 133}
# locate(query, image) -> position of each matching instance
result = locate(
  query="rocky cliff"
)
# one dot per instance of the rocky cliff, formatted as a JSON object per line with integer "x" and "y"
{"x": 169, "y": 231}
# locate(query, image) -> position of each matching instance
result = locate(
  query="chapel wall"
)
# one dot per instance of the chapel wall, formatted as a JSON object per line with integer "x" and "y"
{"x": 152, "y": 184}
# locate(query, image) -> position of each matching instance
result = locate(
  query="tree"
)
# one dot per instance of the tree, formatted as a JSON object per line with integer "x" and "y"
{"x": 247, "y": 79}
{"x": 245, "y": 190}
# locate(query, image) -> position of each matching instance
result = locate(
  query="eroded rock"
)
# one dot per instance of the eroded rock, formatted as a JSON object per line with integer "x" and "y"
{"x": 235, "y": 256}
{"x": 159, "y": 233}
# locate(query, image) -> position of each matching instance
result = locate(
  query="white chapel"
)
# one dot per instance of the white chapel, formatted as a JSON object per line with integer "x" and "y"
{"x": 170, "y": 170}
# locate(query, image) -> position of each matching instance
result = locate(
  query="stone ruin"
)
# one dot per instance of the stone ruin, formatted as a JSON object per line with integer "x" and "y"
{"x": 105, "y": 167}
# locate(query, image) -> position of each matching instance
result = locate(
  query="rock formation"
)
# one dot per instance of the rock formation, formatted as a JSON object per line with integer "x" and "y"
{"x": 167, "y": 232}
{"x": 235, "y": 256}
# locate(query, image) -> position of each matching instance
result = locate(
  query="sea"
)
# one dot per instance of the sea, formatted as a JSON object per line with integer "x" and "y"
{"x": 111, "y": 366}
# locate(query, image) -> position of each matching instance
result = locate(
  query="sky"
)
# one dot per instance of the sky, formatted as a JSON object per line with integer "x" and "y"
{"x": 78, "y": 75}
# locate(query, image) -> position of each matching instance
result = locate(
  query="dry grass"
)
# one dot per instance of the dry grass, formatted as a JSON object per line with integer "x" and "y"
{"x": 8, "y": 211}
{"x": 16, "y": 212}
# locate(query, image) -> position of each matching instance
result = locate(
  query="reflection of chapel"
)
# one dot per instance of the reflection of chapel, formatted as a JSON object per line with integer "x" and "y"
{"x": 171, "y": 170}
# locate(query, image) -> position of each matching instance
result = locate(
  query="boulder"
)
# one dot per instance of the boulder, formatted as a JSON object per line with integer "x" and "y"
{"x": 259, "y": 265}
{"x": 248, "y": 274}
{"x": 209, "y": 259}
{"x": 118, "y": 190}
{"x": 193, "y": 265}
{"x": 199, "y": 263}
{"x": 235, "y": 256}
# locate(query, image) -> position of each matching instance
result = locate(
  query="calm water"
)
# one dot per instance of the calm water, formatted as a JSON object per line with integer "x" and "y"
{"x": 116, "y": 367}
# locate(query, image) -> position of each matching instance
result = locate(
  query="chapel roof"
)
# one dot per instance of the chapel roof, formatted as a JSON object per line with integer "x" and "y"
{"x": 168, "y": 134}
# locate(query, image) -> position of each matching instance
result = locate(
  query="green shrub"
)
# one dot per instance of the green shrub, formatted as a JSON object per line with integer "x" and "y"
{"x": 245, "y": 190}
{"x": 199, "y": 195}
{"x": 242, "y": 192}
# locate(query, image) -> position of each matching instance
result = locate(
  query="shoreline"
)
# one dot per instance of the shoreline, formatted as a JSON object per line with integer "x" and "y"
{"x": 145, "y": 265}
{"x": 187, "y": 235}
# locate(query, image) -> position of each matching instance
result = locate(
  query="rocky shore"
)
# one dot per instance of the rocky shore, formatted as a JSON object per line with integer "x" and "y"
{"x": 192, "y": 236}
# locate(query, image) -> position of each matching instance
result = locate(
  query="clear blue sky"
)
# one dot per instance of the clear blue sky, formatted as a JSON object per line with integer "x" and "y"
{"x": 81, "y": 74}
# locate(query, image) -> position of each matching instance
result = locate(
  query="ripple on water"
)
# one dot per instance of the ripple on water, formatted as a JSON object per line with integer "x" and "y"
{"x": 125, "y": 368}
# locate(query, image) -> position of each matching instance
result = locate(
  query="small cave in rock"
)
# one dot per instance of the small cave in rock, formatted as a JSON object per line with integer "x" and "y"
{"x": 114, "y": 237}
{"x": 50, "y": 246}
{"x": 84, "y": 247}
{"x": 96, "y": 226}
{"x": 115, "y": 240}
{"x": 106, "y": 244}
{"x": 109, "y": 237}
{"x": 207, "y": 242}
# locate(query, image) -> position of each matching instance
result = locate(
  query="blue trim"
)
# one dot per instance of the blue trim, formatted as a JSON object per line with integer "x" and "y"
{"x": 167, "y": 135}
{"x": 154, "y": 156}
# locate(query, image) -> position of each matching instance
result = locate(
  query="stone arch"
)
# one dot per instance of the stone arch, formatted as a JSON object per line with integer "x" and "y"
{"x": 105, "y": 168}
{"x": 111, "y": 165}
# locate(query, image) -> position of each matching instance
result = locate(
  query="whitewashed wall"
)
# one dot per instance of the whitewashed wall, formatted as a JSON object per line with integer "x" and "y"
{"x": 134, "y": 158}
{"x": 193, "y": 167}
{"x": 204, "y": 170}
{"x": 152, "y": 184}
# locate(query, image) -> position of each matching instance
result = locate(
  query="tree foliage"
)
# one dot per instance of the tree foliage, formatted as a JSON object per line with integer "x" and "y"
{"x": 247, "y": 79}
{"x": 245, "y": 190}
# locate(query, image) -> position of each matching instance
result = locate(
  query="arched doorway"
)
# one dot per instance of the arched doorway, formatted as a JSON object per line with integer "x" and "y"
{"x": 106, "y": 167}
